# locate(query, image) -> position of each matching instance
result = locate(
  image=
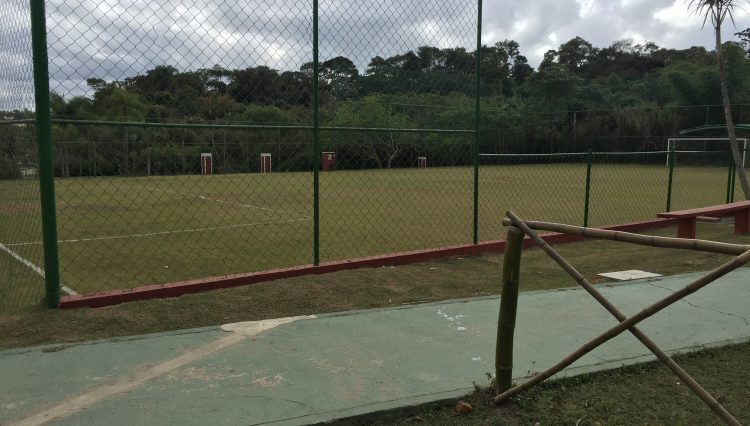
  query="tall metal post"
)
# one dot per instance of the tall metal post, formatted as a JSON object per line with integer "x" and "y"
{"x": 734, "y": 179}
{"x": 589, "y": 161}
{"x": 476, "y": 122}
{"x": 316, "y": 140}
{"x": 45, "y": 153}
{"x": 671, "y": 174}
{"x": 730, "y": 177}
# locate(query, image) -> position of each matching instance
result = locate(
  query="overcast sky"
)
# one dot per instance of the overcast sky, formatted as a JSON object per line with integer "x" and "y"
{"x": 540, "y": 25}
{"x": 116, "y": 39}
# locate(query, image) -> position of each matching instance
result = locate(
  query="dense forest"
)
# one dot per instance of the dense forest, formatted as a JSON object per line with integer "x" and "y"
{"x": 625, "y": 97}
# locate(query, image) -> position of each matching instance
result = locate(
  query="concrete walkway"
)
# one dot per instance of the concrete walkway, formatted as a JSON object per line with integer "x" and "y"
{"x": 312, "y": 369}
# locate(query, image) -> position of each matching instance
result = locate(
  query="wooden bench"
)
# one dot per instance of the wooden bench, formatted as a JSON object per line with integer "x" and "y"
{"x": 686, "y": 218}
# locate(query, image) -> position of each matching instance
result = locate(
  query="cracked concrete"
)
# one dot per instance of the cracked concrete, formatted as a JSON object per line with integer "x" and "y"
{"x": 701, "y": 307}
{"x": 314, "y": 369}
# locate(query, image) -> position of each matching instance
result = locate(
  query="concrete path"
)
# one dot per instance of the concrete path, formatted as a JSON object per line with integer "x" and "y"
{"x": 312, "y": 369}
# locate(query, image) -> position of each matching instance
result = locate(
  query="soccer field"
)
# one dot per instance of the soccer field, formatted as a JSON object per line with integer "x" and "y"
{"x": 122, "y": 232}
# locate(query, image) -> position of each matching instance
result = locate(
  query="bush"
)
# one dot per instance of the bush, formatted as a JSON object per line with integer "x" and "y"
{"x": 9, "y": 169}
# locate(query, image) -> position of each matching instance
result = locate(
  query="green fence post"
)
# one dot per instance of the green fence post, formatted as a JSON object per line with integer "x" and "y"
{"x": 506, "y": 322}
{"x": 589, "y": 161}
{"x": 316, "y": 140}
{"x": 45, "y": 153}
{"x": 670, "y": 160}
{"x": 730, "y": 177}
{"x": 733, "y": 181}
{"x": 476, "y": 123}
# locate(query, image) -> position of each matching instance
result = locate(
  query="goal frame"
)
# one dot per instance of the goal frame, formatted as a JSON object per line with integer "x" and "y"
{"x": 671, "y": 142}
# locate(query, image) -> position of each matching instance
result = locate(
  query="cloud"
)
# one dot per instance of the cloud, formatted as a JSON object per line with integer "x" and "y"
{"x": 668, "y": 23}
{"x": 116, "y": 39}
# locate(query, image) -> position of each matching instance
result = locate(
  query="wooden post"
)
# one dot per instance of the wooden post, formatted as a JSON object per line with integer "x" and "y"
{"x": 506, "y": 322}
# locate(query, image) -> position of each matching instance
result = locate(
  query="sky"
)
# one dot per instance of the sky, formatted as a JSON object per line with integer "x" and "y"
{"x": 540, "y": 25}
{"x": 116, "y": 39}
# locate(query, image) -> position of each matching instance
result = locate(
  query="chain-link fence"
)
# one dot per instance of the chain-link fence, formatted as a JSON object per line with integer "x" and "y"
{"x": 212, "y": 138}
{"x": 21, "y": 282}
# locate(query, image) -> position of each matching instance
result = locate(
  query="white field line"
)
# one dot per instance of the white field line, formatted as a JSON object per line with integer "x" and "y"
{"x": 153, "y": 234}
{"x": 217, "y": 200}
{"x": 34, "y": 268}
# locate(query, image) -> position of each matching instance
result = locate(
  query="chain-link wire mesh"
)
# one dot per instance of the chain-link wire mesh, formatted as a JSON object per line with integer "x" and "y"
{"x": 185, "y": 141}
{"x": 550, "y": 187}
{"x": 628, "y": 187}
{"x": 217, "y": 179}
{"x": 394, "y": 188}
{"x": 700, "y": 178}
{"x": 21, "y": 274}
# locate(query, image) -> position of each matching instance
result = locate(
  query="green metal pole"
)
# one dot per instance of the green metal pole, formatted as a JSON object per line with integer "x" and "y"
{"x": 730, "y": 177}
{"x": 45, "y": 153}
{"x": 734, "y": 175}
{"x": 671, "y": 175}
{"x": 476, "y": 123}
{"x": 316, "y": 140}
{"x": 589, "y": 161}
{"x": 506, "y": 322}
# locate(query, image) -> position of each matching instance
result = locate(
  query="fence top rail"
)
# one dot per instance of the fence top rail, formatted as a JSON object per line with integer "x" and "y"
{"x": 256, "y": 126}
{"x": 19, "y": 121}
{"x": 583, "y": 154}
{"x": 697, "y": 139}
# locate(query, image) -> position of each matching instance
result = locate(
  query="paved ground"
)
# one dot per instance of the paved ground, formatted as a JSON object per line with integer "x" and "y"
{"x": 311, "y": 369}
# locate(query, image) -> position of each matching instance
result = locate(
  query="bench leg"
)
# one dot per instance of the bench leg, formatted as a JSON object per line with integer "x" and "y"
{"x": 742, "y": 222}
{"x": 686, "y": 228}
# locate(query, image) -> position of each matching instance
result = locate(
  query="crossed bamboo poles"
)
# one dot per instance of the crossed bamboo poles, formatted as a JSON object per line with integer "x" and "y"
{"x": 506, "y": 322}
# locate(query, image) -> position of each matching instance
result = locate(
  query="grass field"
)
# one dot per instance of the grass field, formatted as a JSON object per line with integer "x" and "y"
{"x": 117, "y": 232}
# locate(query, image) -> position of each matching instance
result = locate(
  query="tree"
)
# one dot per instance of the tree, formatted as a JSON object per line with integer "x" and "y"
{"x": 119, "y": 104}
{"x": 339, "y": 75}
{"x": 380, "y": 147}
{"x": 575, "y": 53}
{"x": 744, "y": 37}
{"x": 717, "y": 11}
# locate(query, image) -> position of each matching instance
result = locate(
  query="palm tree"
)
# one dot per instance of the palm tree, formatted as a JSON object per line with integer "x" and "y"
{"x": 717, "y": 11}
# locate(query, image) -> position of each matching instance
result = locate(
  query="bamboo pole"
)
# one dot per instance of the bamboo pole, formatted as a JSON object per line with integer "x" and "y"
{"x": 506, "y": 321}
{"x": 706, "y": 397}
{"x": 646, "y": 240}
{"x": 635, "y": 319}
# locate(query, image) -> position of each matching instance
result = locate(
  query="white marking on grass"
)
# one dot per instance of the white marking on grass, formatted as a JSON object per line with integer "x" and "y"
{"x": 29, "y": 264}
{"x": 136, "y": 378}
{"x": 217, "y": 200}
{"x": 153, "y": 234}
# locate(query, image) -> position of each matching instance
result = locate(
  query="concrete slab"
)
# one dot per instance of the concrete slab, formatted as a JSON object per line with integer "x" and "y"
{"x": 313, "y": 369}
{"x": 630, "y": 274}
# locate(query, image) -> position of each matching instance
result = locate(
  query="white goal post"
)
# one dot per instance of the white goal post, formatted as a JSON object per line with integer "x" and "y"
{"x": 675, "y": 142}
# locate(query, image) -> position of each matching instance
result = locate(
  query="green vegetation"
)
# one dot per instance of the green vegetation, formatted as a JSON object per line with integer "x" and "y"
{"x": 9, "y": 169}
{"x": 623, "y": 97}
{"x": 642, "y": 394}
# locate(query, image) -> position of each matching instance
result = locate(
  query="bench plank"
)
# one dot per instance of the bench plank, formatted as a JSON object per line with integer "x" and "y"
{"x": 720, "y": 210}
{"x": 686, "y": 222}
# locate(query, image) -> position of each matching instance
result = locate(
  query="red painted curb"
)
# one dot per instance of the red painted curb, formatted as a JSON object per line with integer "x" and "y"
{"x": 114, "y": 297}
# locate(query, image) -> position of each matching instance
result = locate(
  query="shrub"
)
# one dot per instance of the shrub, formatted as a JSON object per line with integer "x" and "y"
{"x": 9, "y": 169}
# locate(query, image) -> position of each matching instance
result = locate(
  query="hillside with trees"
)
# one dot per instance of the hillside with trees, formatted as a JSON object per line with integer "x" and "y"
{"x": 623, "y": 97}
